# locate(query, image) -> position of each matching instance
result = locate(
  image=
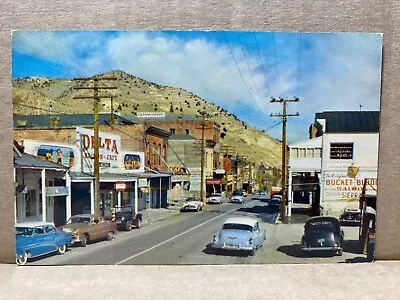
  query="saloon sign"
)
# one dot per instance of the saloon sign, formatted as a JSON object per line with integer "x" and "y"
{"x": 346, "y": 188}
{"x": 109, "y": 147}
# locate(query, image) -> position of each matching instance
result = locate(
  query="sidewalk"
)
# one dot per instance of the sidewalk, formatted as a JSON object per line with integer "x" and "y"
{"x": 157, "y": 214}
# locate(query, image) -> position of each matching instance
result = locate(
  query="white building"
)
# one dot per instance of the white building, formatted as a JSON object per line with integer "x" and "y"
{"x": 329, "y": 169}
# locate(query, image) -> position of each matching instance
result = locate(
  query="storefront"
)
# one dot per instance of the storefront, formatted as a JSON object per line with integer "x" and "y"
{"x": 42, "y": 190}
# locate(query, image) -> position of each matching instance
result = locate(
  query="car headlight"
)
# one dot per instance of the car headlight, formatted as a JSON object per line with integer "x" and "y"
{"x": 76, "y": 231}
{"x": 123, "y": 219}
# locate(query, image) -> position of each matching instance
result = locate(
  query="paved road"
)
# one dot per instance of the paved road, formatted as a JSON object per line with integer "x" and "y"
{"x": 183, "y": 239}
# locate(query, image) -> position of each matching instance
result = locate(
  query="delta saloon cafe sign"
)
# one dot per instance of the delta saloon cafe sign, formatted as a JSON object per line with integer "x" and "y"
{"x": 109, "y": 149}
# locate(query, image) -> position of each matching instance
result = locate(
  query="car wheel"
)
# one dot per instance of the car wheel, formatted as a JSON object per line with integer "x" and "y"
{"x": 85, "y": 240}
{"x": 22, "y": 259}
{"x": 138, "y": 223}
{"x": 110, "y": 235}
{"x": 252, "y": 252}
{"x": 62, "y": 249}
{"x": 129, "y": 226}
{"x": 340, "y": 252}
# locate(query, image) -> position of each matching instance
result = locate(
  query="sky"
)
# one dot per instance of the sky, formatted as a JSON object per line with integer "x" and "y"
{"x": 239, "y": 71}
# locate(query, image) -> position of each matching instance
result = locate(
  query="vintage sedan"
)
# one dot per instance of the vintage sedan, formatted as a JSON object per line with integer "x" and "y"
{"x": 275, "y": 200}
{"x": 263, "y": 196}
{"x": 350, "y": 217}
{"x": 237, "y": 199}
{"x": 125, "y": 218}
{"x": 239, "y": 234}
{"x": 214, "y": 198}
{"x": 34, "y": 239}
{"x": 192, "y": 204}
{"x": 86, "y": 228}
{"x": 323, "y": 234}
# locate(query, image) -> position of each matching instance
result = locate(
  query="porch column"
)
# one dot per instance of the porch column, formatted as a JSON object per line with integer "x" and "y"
{"x": 135, "y": 206}
{"x": 160, "y": 193}
{"x": 92, "y": 197}
{"x": 119, "y": 199}
{"x": 44, "y": 204}
{"x": 289, "y": 191}
{"x": 68, "y": 205}
{"x": 15, "y": 195}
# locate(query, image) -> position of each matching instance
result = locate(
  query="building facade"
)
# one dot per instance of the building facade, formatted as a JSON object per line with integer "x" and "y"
{"x": 331, "y": 168}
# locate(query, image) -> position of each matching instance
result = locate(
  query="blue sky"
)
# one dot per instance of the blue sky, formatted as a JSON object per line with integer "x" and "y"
{"x": 239, "y": 71}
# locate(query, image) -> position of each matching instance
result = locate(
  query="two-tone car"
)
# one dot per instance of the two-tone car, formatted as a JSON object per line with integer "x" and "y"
{"x": 263, "y": 196}
{"x": 239, "y": 234}
{"x": 351, "y": 217}
{"x": 214, "y": 198}
{"x": 34, "y": 239}
{"x": 192, "y": 204}
{"x": 86, "y": 228}
{"x": 237, "y": 199}
{"x": 323, "y": 233}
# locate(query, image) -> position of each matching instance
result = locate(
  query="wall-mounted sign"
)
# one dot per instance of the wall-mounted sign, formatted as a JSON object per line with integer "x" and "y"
{"x": 178, "y": 170}
{"x": 120, "y": 186}
{"x": 53, "y": 191}
{"x": 346, "y": 188}
{"x": 132, "y": 162}
{"x": 213, "y": 181}
{"x": 58, "y": 154}
{"x": 109, "y": 147}
{"x": 142, "y": 182}
{"x": 219, "y": 171}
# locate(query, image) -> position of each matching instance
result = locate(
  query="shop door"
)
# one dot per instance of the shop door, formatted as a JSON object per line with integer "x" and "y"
{"x": 60, "y": 208}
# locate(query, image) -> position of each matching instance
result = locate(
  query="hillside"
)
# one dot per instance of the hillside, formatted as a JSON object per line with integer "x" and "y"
{"x": 34, "y": 95}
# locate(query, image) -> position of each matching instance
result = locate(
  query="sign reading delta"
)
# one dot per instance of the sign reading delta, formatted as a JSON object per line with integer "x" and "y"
{"x": 109, "y": 146}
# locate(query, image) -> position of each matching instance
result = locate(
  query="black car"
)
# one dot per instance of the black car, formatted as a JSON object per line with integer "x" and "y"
{"x": 323, "y": 234}
{"x": 350, "y": 217}
{"x": 125, "y": 218}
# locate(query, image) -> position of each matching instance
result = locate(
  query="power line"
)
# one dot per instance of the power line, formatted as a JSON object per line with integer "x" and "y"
{"x": 276, "y": 63}
{"x": 262, "y": 65}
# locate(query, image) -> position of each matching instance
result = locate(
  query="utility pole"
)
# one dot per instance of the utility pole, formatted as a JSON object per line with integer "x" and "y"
{"x": 96, "y": 98}
{"x": 284, "y": 117}
{"x": 227, "y": 150}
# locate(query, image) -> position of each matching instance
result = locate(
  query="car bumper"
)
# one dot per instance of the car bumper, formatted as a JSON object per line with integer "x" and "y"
{"x": 76, "y": 239}
{"x": 232, "y": 247}
{"x": 309, "y": 249}
{"x": 189, "y": 208}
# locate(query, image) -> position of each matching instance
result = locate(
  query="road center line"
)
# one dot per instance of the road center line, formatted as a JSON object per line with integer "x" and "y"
{"x": 182, "y": 233}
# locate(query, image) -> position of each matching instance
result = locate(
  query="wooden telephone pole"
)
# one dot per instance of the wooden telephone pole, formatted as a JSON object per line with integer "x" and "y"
{"x": 284, "y": 117}
{"x": 96, "y": 163}
{"x": 228, "y": 151}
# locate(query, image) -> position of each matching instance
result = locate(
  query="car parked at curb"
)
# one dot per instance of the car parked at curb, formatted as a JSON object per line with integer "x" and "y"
{"x": 192, "y": 204}
{"x": 34, "y": 239}
{"x": 125, "y": 217}
{"x": 261, "y": 195}
{"x": 275, "y": 200}
{"x": 86, "y": 228}
{"x": 350, "y": 217}
{"x": 239, "y": 234}
{"x": 237, "y": 199}
{"x": 214, "y": 198}
{"x": 323, "y": 233}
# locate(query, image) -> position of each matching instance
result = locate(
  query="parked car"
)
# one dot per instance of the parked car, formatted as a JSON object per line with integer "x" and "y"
{"x": 238, "y": 193}
{"x": 350, "y": 217}
{"x": 323, "y": 234}
{"x": 237, "y": 199}
{"x": 240, "y": 234}
{"x": 261, "y": 195}
{"x": 215, "y": 198}
{"x": 275, "y": 200}
{"x": 86, "y": 228}
{"x": 125, "y": 218}
{"x": 192, "y": 204}
{"x": 34, "y": 239}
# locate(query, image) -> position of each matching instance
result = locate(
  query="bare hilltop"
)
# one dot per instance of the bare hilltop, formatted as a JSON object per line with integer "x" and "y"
{"x": 35, "y": 94}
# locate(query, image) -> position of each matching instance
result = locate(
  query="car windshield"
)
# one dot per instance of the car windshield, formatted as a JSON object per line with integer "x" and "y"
{"x": 75, "y": 220}
{"x": 215, "y": 195}
{"x": 192, "y": 199}
{"x": 23, "y": 230}
{"x": 237, "y": 226}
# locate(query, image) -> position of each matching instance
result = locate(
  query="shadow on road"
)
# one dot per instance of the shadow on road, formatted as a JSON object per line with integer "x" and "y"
{"x": 211, "y": 251}
{"x": 352, "y": 246}
{"x": 265, "y": 213}
{"x": 295, "y": 251}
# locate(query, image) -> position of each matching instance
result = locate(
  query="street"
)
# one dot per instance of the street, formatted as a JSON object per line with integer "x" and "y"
{"x": 184, "y": 239}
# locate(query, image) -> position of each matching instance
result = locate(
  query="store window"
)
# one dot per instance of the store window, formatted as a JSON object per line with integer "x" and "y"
{"x": 30, "y": 204}
{"x": 187, "y": 131}
{"x": 302, "y": 152}
{"x": 341, "y": 150}
{"x": 172, "y": 131}
{"x": 317, "y": 152}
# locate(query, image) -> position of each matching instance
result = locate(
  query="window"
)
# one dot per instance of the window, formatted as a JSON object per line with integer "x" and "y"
{"x": 302, "y": 152}
{"x": 172, "y": 131}
{"x": 310, "y": 152}
{"x": 187, "y": 131}
{"x": 317, "y": 152}
{"x": 39, "y": 230}
{"x": 49, "y": 229}
{"x": 294, "y": 153}
{"x": 341, "y": 151}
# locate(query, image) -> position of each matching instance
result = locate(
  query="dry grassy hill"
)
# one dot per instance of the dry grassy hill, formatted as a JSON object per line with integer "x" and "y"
{"x": 34, "y": 95}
